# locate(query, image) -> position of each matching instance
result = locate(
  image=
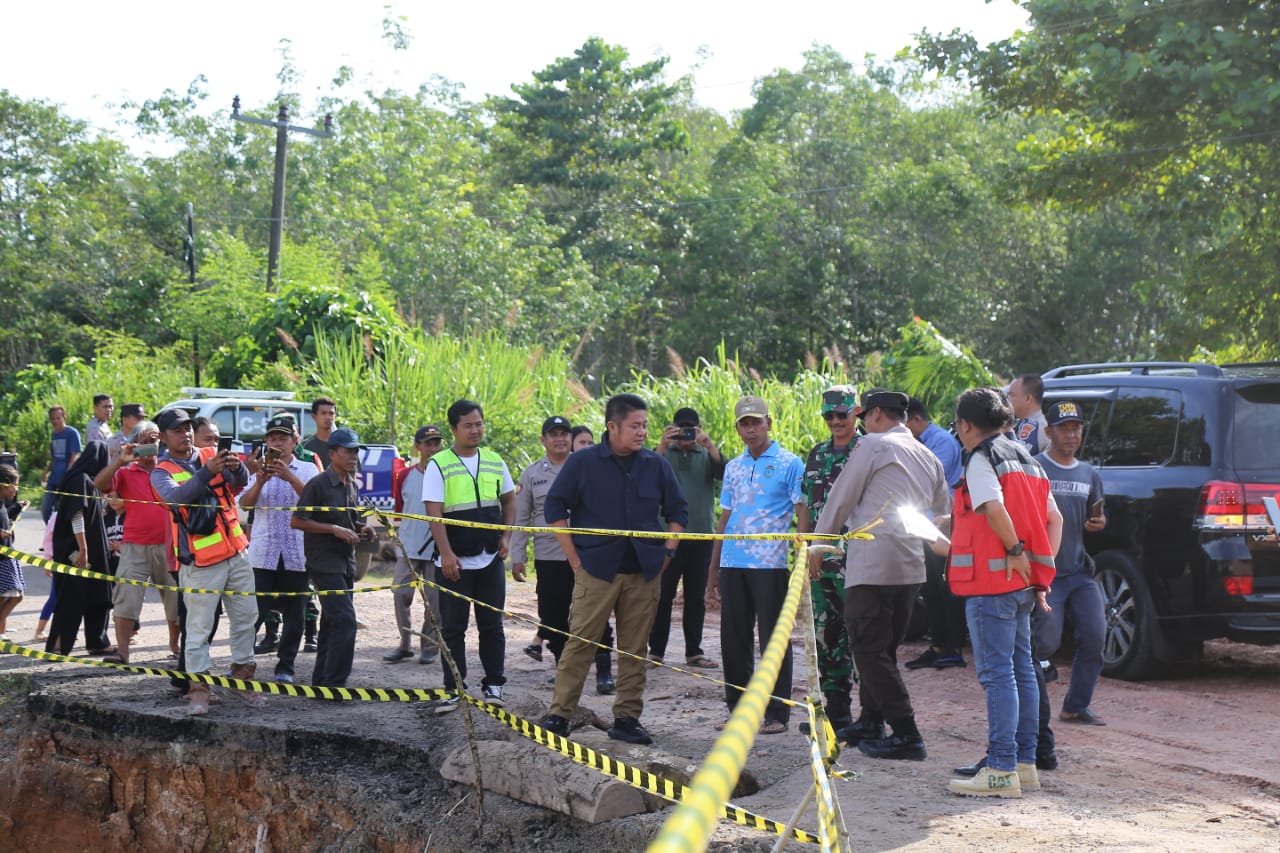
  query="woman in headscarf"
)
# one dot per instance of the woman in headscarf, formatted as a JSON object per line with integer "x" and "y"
{"x": 80, "y": 539}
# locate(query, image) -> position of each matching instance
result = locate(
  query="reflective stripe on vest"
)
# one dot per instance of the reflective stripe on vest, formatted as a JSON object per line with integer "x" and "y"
{"x": 213, "y": 547}
{"x": 461, "y": 490}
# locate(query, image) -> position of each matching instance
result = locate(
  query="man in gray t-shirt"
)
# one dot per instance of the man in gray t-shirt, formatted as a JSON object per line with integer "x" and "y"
{"x": 1077, "y": 489}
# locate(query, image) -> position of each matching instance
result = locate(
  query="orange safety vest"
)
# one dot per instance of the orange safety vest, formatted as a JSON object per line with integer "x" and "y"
{"x": 228, "y": 538}
{"x": 978, "y": 561}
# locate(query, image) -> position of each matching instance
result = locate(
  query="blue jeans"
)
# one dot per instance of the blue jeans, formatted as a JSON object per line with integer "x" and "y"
{"x": 1000, "y": 630}
{"x": 1078, "y": 595}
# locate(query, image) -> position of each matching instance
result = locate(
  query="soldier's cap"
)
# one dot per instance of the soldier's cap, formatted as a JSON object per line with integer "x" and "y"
{"x": 344, "y": 438}
{"x": 281, "y": 423}
{"x": 750, "y": 407}
{"x": 555, "y": 422}
{"x": 133, "y": 410}
{"x": 1063, "y": 411}
{"x": 426, "y": 433}
{"x": 880, "y": 399}
{"x": 172, "y": 419}
{"x": 840, "y": 398}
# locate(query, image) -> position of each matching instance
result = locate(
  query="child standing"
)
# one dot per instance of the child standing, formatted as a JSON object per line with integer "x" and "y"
{"x": 12, "y": 584}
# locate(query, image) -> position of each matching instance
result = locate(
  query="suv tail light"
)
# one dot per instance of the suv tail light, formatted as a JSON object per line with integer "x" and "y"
{"x": 1226, "y": 505}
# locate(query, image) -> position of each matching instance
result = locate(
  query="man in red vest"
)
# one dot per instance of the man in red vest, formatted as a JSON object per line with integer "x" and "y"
{"x": 211, "y": 548}
{"x": 1004, "y": 532}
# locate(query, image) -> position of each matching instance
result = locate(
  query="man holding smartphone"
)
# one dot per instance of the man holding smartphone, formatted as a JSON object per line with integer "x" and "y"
{"x": 1077, "y": 488}
{"x": 211, "y": 559}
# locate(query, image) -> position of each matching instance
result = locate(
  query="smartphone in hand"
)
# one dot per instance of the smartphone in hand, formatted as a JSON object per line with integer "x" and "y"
{"x": 224, "y": 443}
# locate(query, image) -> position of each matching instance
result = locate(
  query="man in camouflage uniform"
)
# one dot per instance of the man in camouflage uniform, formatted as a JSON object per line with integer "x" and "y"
{"x": 826, "y": 461}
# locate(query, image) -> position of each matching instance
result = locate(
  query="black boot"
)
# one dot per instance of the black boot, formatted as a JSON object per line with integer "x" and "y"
{"x": 905, "y": 743}
{"x": 605, "y": 685}
{"x": 269, "y": 640}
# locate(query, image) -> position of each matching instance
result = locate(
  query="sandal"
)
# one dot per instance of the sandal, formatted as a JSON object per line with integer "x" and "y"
{"x": 109, "y": 650}
{"x": 115, "y": 659}
{"x": 772, "y": 727}
{"x": 653, "y": 663}
{"x": 534, "y": 651}
{"x": 702, "y": 662}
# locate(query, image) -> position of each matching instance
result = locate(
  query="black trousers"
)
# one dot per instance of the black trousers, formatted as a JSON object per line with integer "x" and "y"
{"x": 876, "y": 618}
{"x": 750, "y": 601}
{"x": 488, "y": 585}
{"x": 945, "y": 609}
{"x": 691, "y": 562}
{"x": 292, "y": 610}
{"x": 337, "y": 636}
{"x": 555, "y": 594}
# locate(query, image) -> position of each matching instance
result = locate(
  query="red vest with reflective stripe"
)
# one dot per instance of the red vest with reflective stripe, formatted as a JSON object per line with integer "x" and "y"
{"x": 978, "y": 560}
{"x": 228, "y": 537}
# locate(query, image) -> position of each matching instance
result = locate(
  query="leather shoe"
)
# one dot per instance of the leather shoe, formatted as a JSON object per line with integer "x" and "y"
{"x": 555, "y": 724}
{"x": 1047, "y": 762}
{"x": 897, "y": 747}
{"x": 970, "y": 770}
{"x": 860, "y": 730}
{"x": 397, "y": 655}
{"x": 605, "y": 686}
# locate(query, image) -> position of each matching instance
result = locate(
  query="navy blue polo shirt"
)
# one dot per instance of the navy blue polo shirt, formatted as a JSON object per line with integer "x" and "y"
{"x": 596, "y": 489}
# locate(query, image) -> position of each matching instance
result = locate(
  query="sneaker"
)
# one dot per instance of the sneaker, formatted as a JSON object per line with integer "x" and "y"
{"x": 896, "y": 747}
{"x": 948, "y": 661}
{"x": 284, "y": 678}
{"x": 989, "y": 783}
{"x": 555, "y": 724}
{"x": 447, "y": 706}
{"x": 606, "y": 686}
{"x": 928, "y": 659}
{"x": 1028, "y": 778}
{"x": 1048, "y": 761}
{"x": 492, "y": 694}
{"x": 311, "y": 647}
{"x": 534, "y": 650}
{"x": 628, "y": 729}
{"x": 860, "y": 730}
{"x": 1085, "y": 717}
{"x": 429, "y": 656}
{"x": 397, "y": 655}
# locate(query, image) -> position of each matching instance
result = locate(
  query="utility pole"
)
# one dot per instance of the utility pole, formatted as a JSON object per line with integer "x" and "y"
{"x": 189, "y": 255}
{"x": 282, "y": 126}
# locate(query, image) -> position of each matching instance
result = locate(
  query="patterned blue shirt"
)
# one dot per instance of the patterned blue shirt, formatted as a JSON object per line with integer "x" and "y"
{"x": 762, "y": 493}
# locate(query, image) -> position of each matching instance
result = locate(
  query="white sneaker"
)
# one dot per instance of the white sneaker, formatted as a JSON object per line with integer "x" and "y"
{"x": 1028, "y": 776}
{"x": 989, "y": 783}
{"x": 447, "y": 706}
{"x": 493, "y": 695}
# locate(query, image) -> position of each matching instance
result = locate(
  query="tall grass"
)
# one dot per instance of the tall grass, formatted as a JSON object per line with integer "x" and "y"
{"x": 415, "y": 377}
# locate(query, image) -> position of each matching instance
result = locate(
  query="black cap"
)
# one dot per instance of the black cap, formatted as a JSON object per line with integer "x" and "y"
{"x": 172, "y": 419}
{"x": 281, "y": 423}
{"x": 427, "y": 432}
{"x": 555, "y": 422}
{"x": 1062, "y": 411}
{"x": 344, "y": 438}
{"x": 883, "y": 400}
{"x": 686, "y": 417}
{"x": 133, "y": 410}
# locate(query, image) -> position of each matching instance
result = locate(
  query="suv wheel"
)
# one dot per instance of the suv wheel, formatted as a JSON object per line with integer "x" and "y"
{"x": 1128, "y": 650}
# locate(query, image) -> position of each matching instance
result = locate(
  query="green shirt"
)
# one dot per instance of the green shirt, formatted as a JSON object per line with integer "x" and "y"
{"x": 697, "y": 473}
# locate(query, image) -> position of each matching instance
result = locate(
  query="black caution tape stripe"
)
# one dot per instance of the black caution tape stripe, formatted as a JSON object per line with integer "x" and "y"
{"x": 62, "y": 568}
{"x": 580, "y": 754}
{"x": 636, "y": 778}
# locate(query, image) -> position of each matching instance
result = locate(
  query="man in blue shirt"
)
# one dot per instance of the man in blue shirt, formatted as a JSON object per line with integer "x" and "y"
{"x": 64, "y": 449}
{"x": 945, "y": 610}
{"x": 763, "y": 491}
{"x": 615, "y": 485}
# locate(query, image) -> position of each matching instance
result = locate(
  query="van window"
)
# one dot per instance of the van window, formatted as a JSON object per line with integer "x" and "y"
{"x": 225, "y": 418}
{"x": 1144, "y": 427}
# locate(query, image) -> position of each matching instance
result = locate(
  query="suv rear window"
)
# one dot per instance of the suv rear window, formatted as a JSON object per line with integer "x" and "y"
{"x": 1256, "y": 443}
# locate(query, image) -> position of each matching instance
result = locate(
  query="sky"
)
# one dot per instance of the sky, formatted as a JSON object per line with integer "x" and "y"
{"x": 88, "y": 56}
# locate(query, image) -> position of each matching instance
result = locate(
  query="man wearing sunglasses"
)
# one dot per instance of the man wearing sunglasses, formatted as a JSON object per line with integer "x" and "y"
{"x": 826, "y": 461}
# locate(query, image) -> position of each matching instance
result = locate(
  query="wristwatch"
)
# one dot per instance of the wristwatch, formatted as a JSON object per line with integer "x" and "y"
{"x": 1016, "y": 550}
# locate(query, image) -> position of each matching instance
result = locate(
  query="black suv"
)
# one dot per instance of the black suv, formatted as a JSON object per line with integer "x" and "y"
{"x": 1187, "y": 452}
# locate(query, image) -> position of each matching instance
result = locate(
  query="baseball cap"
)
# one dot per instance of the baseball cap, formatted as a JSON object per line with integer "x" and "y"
{"x": 840, "y": 398}
{"x": 426, "y": 432}
{"x": 750, "y": 407}
{"x": 281, "y": 423}
{"x": 878, "y": 399}
{"x": 555, "y": 422}
{"x": 133, "y": 410}
{"x": 344, "y": 438}
{"x": 1063, "y": 410}
{"x": 172, "y": 419}
{"x": 686, "y": 417}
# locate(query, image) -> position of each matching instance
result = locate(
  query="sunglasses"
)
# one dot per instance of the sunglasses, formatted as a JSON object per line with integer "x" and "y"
{"x": 831, "y": 416}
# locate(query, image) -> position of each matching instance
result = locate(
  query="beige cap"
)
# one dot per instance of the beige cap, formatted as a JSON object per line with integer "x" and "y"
{"x": 750, "y": 407}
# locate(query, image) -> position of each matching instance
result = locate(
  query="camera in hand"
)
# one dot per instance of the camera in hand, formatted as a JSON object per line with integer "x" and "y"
{"x": 688, "y": 434}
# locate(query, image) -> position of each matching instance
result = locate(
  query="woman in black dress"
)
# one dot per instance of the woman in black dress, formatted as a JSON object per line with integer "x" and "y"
{"x": 80, "y": 531}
